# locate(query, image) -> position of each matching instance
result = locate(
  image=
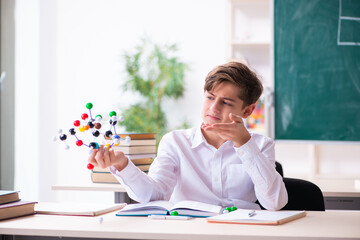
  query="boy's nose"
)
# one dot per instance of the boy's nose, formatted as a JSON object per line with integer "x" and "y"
{"x": 215, "y": 107}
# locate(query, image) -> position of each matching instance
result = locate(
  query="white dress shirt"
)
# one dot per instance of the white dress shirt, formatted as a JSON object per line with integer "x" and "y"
{"x": 188, "y": 168}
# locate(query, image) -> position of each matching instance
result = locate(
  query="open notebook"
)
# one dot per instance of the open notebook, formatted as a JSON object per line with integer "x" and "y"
{"x": 184, "y": 208}
{"x": 257, "y": 217}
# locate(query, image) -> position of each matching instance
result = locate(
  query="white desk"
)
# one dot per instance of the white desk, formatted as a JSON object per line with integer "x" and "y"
{"x": 89, "y": 186}
{"x": 120, "y": 195}
{"x": 338, "y": 193}
{"x": 316, "y": 225}
{"x": 336, "y": 187}
{"x": 329, "y": 187}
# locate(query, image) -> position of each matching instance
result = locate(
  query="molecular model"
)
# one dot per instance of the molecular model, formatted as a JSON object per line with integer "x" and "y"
{"x": 93, "y": 125}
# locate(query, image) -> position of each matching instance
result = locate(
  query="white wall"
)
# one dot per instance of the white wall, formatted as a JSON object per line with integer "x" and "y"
{"x": 82, "y": 62}
{"x": 319, "y": 160}
{"x": 35, "y": 102}
{"x": 69, "y": 52}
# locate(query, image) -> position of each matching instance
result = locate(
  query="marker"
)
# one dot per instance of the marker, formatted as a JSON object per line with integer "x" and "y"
{"x": 169, "y": 217}
{"x": 252, "y": 213}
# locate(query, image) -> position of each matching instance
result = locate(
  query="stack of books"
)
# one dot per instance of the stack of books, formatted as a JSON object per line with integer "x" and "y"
{"x": 12, "y": 206}
{"x": 141, "y": 150}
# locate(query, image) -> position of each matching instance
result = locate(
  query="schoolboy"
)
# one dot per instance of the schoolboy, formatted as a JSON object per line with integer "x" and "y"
{"x": 219, "y": 162}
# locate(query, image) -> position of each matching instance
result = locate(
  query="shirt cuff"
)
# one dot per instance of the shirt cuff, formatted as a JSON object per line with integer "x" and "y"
{"x": 246, "y": 151}
{"x": 129, "y": 170}
{"x": 136, "y": 183}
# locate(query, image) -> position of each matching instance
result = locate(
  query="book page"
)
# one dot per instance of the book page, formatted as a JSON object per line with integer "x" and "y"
{"x": 199, "y": 206}
{"x": 150, "y": 205}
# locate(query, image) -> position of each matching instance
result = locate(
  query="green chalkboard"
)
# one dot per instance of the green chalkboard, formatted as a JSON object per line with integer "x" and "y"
{"x": 317, "y": 70}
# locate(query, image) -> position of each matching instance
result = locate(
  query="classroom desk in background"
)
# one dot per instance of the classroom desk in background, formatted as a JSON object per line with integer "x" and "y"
{"x": 338, "y": 193}
{"x": 316, "y": 225}
{"x": 120, "y": 195}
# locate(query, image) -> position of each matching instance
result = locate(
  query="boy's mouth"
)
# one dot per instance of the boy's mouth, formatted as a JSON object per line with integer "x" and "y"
{"x": 212, "y": 117}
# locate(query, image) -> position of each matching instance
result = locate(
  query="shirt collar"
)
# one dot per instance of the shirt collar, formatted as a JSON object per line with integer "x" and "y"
{"x": 198, "y": 138}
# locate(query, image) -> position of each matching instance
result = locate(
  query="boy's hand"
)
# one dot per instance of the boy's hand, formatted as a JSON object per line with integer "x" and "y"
{"x": 105, "y": 157}
{"x": 234, "y": 131}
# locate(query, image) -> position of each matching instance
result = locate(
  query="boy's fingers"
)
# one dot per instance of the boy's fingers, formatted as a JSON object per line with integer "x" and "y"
{"x": 107, "y": 159}
{"x": 92, "y": 156}
{"x": 222, "y": 126}
{"x": 100, "y": 156}
{"x": 112, "y": 155}
{"x": 100, "y": 153}
{"x": 235, "y": 118}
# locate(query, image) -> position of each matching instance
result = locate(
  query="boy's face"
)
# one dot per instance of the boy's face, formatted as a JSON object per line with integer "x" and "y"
{"x": 220, "y": 102}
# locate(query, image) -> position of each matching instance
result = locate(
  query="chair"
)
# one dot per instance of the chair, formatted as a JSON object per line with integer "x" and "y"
{"x": 279, "y": 168}
{"x": 303, "y": 195}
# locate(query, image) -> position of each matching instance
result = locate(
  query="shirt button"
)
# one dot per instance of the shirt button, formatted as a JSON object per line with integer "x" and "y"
{"x": 216, "y": 179}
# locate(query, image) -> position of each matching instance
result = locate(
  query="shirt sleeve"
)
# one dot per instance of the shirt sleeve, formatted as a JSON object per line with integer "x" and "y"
{"x": 137, "y": 185}
{"x": 158, "y": 184}
{"x": 259, "y": 163}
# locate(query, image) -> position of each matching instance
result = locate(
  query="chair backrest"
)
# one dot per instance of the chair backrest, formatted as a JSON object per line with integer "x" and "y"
{"x": 303, "y": 195}
{"x": 279, "y": 168}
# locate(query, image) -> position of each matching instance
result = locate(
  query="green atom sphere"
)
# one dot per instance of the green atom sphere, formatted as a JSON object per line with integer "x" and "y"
{"x": 89, "y": 105}
{"x": 112, "y": 113}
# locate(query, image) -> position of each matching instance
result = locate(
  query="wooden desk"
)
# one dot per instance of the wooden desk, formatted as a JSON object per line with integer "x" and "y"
{"x": 316, "y": 225}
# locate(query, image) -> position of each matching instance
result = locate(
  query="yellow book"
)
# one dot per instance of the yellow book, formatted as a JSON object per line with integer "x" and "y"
{"x": 142, "y": 161}
{"x": 140, "y": 156}
{"x": 136, "y": 135}
{"x": 135, "y": 142}
{"x": 135, "y": 149}
{"x": 103, "y": 177}
{"x": 142, "y": 167}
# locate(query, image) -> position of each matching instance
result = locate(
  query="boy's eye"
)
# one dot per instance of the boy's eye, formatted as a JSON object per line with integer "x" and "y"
{"x": 226, "y": 103}
{"x": 210, "y": 97}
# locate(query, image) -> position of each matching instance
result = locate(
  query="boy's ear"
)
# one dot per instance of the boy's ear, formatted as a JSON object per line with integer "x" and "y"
{"x": 248, "y": 110}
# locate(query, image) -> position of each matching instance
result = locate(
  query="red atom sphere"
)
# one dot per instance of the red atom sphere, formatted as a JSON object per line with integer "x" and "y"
{"x": 79, "y": 143}
{"x": 90, "y": 166}
{"x": 84, "y": 116}
{"x": 76, "y": 123}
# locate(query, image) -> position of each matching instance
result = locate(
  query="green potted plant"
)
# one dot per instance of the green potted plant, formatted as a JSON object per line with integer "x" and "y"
{"x": 155, "y": 73}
